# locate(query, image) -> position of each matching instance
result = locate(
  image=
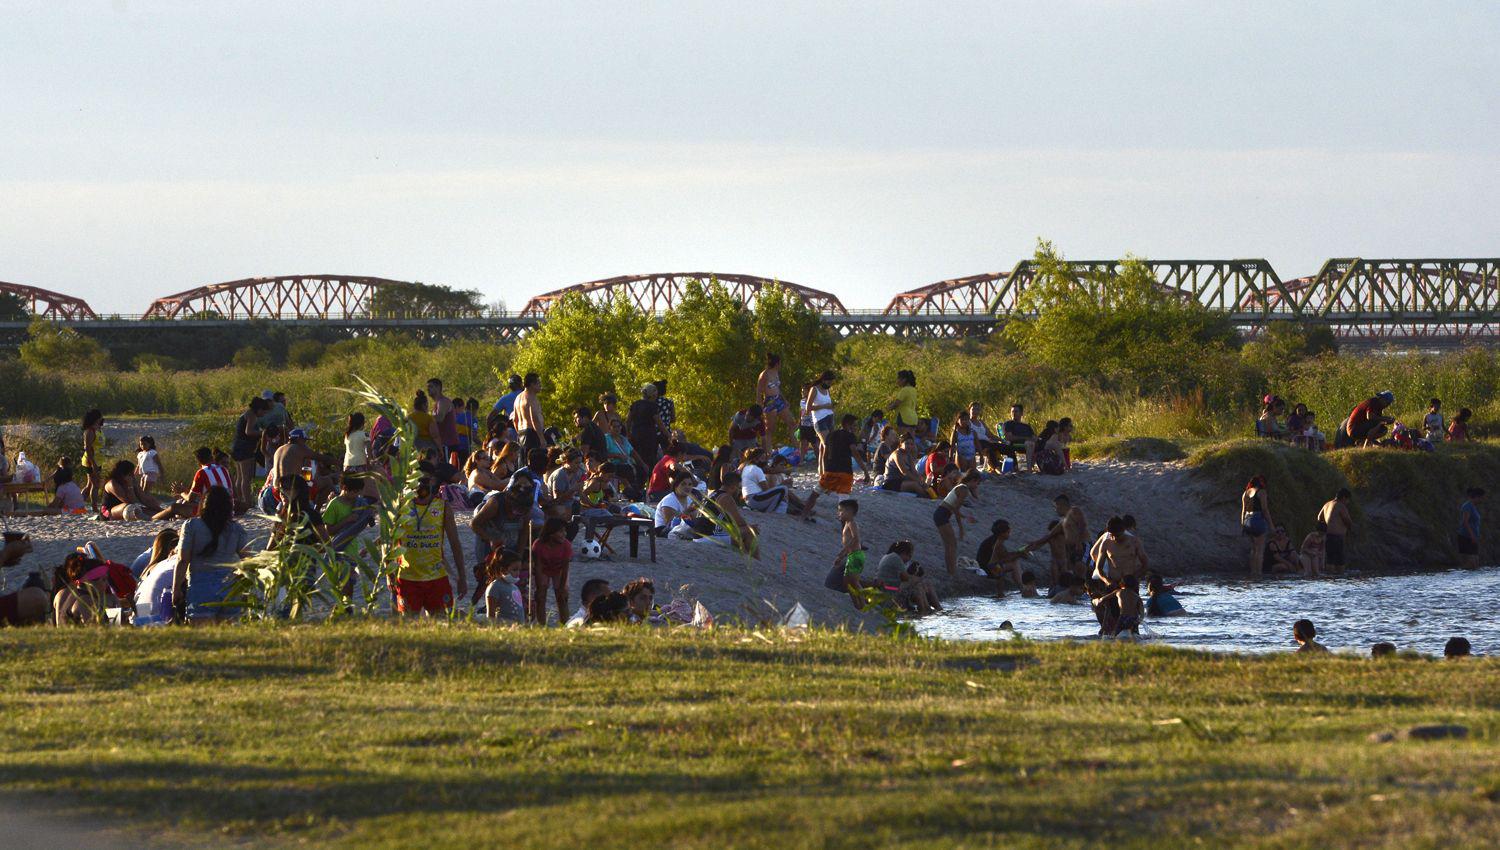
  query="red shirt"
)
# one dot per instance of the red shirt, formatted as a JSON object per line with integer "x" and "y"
{"x": 552, "y": 558}
{"x": 212, "y": 475}
{"x": 660, "y": 475}
{"x": 1362, "y": 411}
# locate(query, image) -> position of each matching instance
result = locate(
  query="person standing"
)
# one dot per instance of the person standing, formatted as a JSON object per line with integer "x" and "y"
{"x": 421, "y": 584}
{"x": 93, "y": 490}
{"x": 1335, "y": 514}
{"x": 818, "y": 402}
{"x": 904, "y": 402}
{"x": 446, "y": 419}
{"x": 772, "y": 402}
{"x": 506, "y": 404}
{"x": 1255, "y": 520}
{"x": 1468, "y": 528}
{"x": 644, "y": 426}
{"x": 528, "y": 415}
{"x": 247, "y": 434}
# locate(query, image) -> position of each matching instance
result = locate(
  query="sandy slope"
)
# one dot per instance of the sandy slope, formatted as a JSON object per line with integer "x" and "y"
{"x": 1181, "y": 536}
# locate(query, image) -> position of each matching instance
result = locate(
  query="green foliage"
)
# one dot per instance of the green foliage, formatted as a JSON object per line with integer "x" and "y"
{"x": 156, "y": 363}
{"x": 51, "y": 346}
{"x": 1128, "y": 448}
{"x": 13, "y": 308}
{"x": 304, "y": 353}
{"x": 782, "y": 324}
{"x": 251, "y": 357}
{"x": 1123, "y": 331}
{"x": 584, "y": 349}
{"x": 1285, "y": 344}
{"x": 408, "y": 300}
{"x": 1298, "y": 481}
{"x": 705, "y": 347}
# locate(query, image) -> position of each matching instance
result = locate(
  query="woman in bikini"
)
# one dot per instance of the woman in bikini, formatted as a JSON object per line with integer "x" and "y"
{"x": 901, "y": 474}
{"x": 772, "y": 404}
{"x": 1255, "y": 520}
{"x": 93, "y": 421}
{"x": 949, "y": 509}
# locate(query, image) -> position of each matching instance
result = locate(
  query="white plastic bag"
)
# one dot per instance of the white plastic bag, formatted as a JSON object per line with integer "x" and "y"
{"x": 797, "y": 618}
{"x": 26, "y": 471}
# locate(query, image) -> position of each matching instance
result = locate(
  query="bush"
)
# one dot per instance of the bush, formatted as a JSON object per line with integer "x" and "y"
{"x": 304, "y": 353}
{"x": 1298, "y": 481}
{"x": 251, "y": 357}
{"x": 53, "y": 347}
{"x": 156, "y": 363}
{"x": 1128, "y": 448}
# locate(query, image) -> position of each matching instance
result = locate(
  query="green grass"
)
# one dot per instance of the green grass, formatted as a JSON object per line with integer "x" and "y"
{"x": 1128, "y": 448}
{"x": 381, "y": 735}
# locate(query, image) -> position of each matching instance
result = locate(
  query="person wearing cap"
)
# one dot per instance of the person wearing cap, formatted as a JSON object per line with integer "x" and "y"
{"x": 294, "y": 457}
{"x": 1366, "y": 423}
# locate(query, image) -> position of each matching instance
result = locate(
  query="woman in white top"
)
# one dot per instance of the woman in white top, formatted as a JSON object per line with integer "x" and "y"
{"x": 952, "y": 508}
{"x": 678, "y": 504}
{"x": 356, "y": 444}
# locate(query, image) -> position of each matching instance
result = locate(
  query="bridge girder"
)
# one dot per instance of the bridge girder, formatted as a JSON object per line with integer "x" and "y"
{"x": 653, "y": 293}
{"x": 46, "y": 304}
{"x": 316, "y": 296}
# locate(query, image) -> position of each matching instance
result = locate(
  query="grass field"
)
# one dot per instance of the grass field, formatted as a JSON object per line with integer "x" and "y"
{"x": 381, "y": 735}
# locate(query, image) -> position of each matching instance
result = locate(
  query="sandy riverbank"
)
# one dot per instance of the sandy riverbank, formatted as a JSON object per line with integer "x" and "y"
{"x": 1181, "y": 536}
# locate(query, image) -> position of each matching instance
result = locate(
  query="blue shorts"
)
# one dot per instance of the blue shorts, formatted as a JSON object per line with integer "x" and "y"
{"x": 824, "y": 425}
{"x": 774, "y": 404}
{"x": 208, "y": 585}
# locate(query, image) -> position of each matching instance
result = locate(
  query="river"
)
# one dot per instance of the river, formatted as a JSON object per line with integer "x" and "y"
{"x": 1419, "y": 612}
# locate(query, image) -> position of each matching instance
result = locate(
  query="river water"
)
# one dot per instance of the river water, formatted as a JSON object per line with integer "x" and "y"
{"x": 1418, "y": 612}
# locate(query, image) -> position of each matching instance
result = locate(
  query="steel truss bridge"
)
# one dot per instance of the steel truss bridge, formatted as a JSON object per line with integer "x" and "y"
{"x": 1424, "y": 301}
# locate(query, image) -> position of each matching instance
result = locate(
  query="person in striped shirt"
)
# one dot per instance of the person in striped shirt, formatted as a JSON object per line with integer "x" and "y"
{"x": 209, "y": 474}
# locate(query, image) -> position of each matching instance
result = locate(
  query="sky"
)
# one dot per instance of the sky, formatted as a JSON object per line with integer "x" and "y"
{"x": 862, "y": 148}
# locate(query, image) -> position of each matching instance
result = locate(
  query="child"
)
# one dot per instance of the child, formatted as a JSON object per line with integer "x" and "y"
{"x": 147, "y": 463}
{"x": 1304, "y": 632}
{"x": 1434, "y": 426}
{"x": 1129, "y": 596}
{"x": 502, "y": 598}
{"x": 1028, "y": 585}
{"x": 1312, "y": 550}
{"x": 1383, "y": 649}
{"x": 1072, "y": 591}
{"x": 1057, "y": 546}
{"x": 871, "y": 430}
{"x": 68, "y": 497}
{"x": 1161, "y": 602}
{"x": 1106, "y": 605}
{"x": 851, "y": 556}
{"x": 551, "y": 554}
{"x": 592, "y": 589}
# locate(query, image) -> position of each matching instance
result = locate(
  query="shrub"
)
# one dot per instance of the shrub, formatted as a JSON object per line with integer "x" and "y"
{"x": 252, "y": 356}
{"x": 53, "y": 347}
{"x": 304, "y": 353}
{"x": 1128, "y": 448}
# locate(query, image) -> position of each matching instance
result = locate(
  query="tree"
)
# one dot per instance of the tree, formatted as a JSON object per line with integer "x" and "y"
{"x": 414, "y": 300}
{"x": 13, "y": 308}
{"x": 1123, "y": 331}
{"x": 251, "y": 356}
{"x": 304, "y": 353}
{"x": 53, "y": 346}
{"x": 705, "y": 348}
{"x": 785, "y": 325}
{"x": 582, "y": 350}
{"x": 1284, "y": 344}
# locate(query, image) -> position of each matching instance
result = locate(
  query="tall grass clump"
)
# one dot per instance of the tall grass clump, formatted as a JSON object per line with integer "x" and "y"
{"x": 1298, "y": 481}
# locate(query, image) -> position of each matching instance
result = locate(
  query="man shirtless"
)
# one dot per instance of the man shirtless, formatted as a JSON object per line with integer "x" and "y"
{"x": 1073, "y": 529}
{"x": 292, "y": 457}
{"x": 1335, "y": 514}
{"x": 528, "y": 416}
{"x": 1126, "y": 555}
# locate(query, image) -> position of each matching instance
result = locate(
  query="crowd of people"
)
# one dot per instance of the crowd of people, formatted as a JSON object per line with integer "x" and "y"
{"x": 539, "y": 496}
{"x": 1367, "y": 425}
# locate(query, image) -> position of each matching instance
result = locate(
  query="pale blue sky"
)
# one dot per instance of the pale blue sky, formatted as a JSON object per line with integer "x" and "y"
{"x": 862, "y": 148}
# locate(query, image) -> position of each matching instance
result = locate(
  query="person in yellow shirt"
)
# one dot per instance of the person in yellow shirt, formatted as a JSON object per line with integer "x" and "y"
{"x": 421, "y": 584}
{"x": 904, "y": 402}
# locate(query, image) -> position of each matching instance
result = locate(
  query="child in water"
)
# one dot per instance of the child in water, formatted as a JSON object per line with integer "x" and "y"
{"x": 1161, "y": 602}
{"x": 1311, "y": 553}
{"x": 1072, "y": 591}
{"x": 1028, "y": 585}
{"x": 1305, "y": 634}
{"x": 1129, "y": 596}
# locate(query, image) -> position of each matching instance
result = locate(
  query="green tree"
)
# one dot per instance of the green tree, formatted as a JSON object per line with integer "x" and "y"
{"x": 1123, "y": 331}
{"x": 705, "y": 347}
{"x": 1284, "y": 344}
{"x": 582, "y": 350}
{"x": 783, "y": 324}
{"x": 13, "y": 308}
{"x": 252, "y": 356}
{"x": 304, "y": 353}
{"x": 53, "y": 346}
{"x": 413, "y": 300}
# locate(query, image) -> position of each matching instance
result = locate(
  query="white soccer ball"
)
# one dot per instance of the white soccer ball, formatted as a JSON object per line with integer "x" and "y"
{"x": 590, "y": 550}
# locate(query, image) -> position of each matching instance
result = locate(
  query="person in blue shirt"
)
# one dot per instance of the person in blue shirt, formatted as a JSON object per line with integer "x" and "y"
{"x": 1468, "y": 528}
{"x": 1161, "y": 602}
{"x": 507, "y": 403}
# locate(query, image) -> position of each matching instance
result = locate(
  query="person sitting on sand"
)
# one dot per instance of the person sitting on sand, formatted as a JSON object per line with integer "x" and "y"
{"x": 1457, "y": 647}
{"x": 724, "y": 510}
{"x": 763, "y": 494}
{"x": 1281, "y": 555}
{"x": 83, "y": 592}
{"x": 1268, "y": 424}
{"x": 1458, "y": 429}
{"x": 906, "y": 580}
{"x": 296, "y": 455}
{"x": 210, "y": 474}
{"x": 1047, "y": 457}
{"x": 163, "y": 545}
{"x": 677, "y": 508}
{"x": 1018, "y": 439}
{"x": 211, "y": 545}
{"x": 641, "y": 596}
{"x": 66, "y": 496}
{"x": 997, "y": 561}
{"x": 1338, "y": 521}
{"x": 31, "y": 603}
{"x": 123, "y": 498}
{"x": 1161, "y": 602}
{"x": 901, "y": 474}
{"x": 1305, "y": 634}
{"x": 1469, "y": 523}
{"x": 1311, "y": 552}
{"x": 591, "y": 590}
{"x": 951, "y": 509}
